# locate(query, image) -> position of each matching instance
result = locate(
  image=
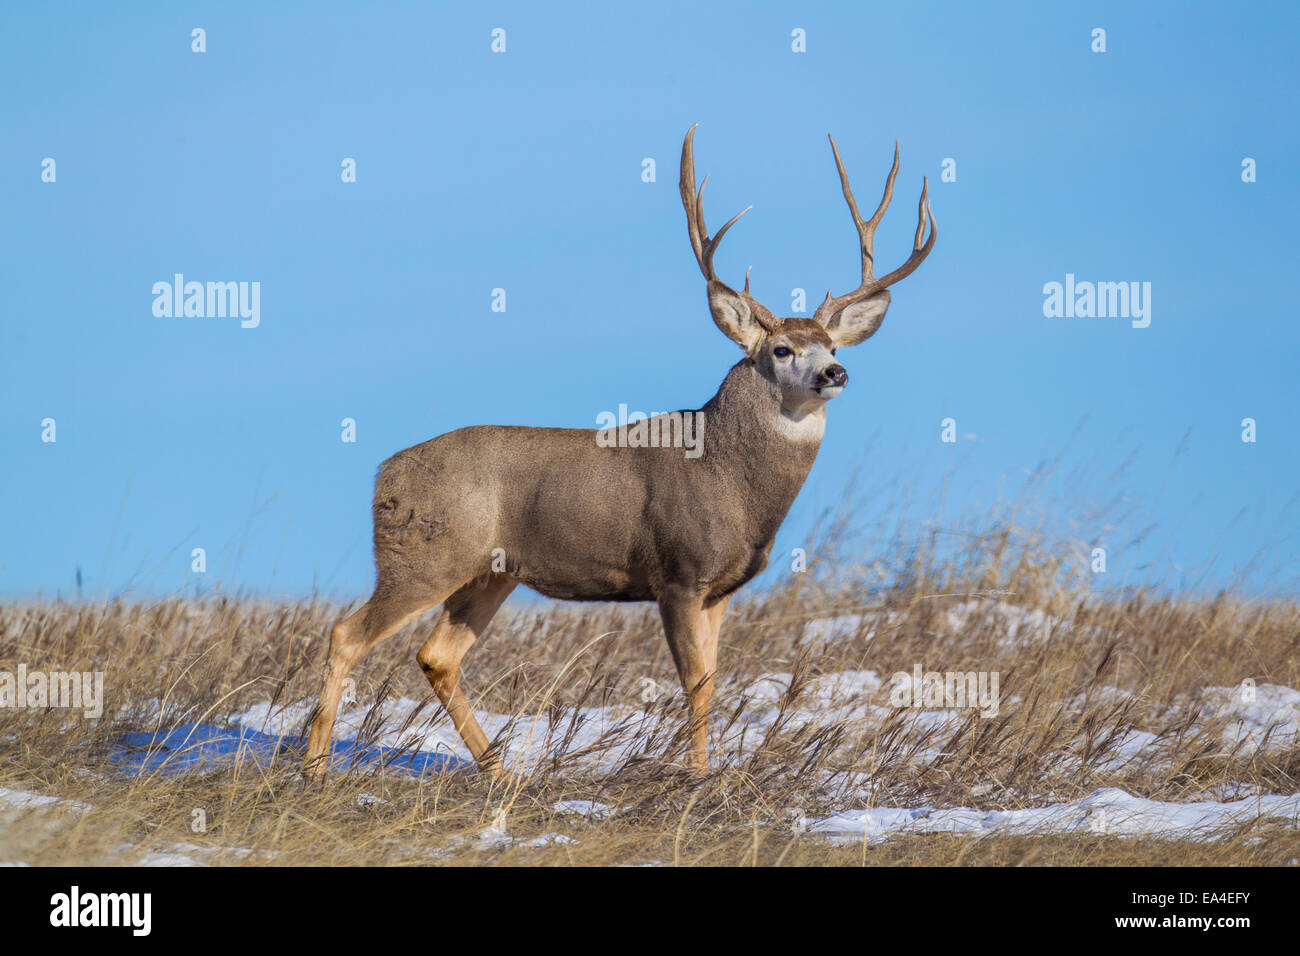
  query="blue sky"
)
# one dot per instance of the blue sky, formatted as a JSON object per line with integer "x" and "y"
{"x": 522, "y": 170}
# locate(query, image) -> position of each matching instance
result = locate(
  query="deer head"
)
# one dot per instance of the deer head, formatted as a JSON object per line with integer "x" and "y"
{"x": 796, "y": 353}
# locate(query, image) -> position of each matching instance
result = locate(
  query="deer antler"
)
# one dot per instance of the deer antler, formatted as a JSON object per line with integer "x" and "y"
{"x": 866, "y": 235}
{"x": 694, "y": 204}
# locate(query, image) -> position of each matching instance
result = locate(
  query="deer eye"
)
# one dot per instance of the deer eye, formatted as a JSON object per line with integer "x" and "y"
{"x": 781, "y": 352}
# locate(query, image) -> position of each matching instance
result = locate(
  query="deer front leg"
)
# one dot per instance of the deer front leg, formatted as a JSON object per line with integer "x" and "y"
{"x": 692, "y": 632}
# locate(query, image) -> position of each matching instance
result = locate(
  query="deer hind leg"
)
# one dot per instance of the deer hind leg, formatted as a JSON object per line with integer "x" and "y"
{"x": 464, "y": 617}
{"x": 380, "y": 617}
{"x": 692, "y": 631}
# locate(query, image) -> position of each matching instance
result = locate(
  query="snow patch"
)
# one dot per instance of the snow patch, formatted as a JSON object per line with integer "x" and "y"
{"x": 23, "y": 800}
{"x": 1105, "y": 812}
{"x": 1256, "y": 715}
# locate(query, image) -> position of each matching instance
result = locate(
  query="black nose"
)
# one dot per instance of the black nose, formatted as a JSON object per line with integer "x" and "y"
{"x": 833, "y": 375}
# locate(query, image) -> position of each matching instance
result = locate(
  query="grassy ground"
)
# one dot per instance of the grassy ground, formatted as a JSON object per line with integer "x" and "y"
{"x": 1079, "y": 673}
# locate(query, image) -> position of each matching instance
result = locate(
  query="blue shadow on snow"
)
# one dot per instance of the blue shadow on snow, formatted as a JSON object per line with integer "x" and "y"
{"x": 192, "y": 748}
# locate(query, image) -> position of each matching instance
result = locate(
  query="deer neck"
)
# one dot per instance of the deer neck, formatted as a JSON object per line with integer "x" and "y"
{"x": 763, "y": 446}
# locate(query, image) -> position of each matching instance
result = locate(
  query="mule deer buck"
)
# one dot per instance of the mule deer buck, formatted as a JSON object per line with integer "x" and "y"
{"x": 578, "y": 520}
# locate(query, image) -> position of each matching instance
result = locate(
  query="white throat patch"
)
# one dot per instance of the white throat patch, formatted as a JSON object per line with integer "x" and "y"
{"x": 809, "y": 426}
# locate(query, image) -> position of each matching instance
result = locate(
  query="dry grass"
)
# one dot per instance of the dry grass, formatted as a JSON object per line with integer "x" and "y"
{"x": 1060, "y": 733}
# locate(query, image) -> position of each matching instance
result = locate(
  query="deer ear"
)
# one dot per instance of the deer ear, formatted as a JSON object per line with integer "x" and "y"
{"x": 859, "y": 321}
{"x": 732, "y": 314}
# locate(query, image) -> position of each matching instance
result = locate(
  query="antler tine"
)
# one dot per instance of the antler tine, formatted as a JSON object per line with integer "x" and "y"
{"x": 690, "y": 201}
{"x": 919, "y": 251}
{"x": 866, "y": 230}
{"x": 866, "y": 236}
{"x": 693, "y": 202}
